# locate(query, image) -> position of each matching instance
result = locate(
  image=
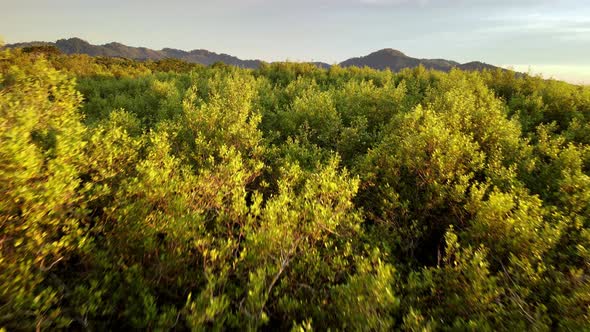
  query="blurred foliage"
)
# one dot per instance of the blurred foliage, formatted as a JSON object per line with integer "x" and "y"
{"x": 163, "y": 195}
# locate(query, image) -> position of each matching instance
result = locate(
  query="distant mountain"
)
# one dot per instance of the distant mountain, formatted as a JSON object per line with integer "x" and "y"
{"x": 382, "y": 59}
{"x": 322, "y": 65}
{"x": 477, "y": 65}
{"x": 79, "y": 46}
{"x": 395, "y": 60}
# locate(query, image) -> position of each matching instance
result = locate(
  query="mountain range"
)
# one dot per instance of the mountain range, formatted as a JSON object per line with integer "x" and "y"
{"x": 382, "y": 59}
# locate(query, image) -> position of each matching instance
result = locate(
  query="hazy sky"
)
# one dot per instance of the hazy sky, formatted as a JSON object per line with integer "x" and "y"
{"x": 547, "y": 36}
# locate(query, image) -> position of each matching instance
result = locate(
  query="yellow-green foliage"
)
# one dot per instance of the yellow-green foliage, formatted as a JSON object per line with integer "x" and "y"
{"x": 43, "y": 212}
{"x": 170, "y": 196}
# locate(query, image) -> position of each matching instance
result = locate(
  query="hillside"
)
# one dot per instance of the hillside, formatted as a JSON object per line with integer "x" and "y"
{"x": 382, "y": 59}
{"x": 79, "y": 46}
{"x": 396, "y": 60}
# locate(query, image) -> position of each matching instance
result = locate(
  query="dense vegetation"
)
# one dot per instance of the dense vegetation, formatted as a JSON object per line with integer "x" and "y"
{"x": 165, "y": 195}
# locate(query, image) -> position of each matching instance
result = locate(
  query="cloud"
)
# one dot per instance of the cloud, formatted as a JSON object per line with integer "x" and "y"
{"x": 567, "y": 27}
{"x": 455, "y": 3}
{"x": 576, "y": 74}
{"x": 394, "y": 2}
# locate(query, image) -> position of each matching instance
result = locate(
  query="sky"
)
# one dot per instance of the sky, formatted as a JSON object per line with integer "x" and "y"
{"x": 549, "y": 37}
